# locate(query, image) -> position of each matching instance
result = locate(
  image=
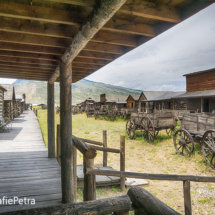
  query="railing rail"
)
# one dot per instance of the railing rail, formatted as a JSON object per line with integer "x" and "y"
{"x": 185, "y": 178}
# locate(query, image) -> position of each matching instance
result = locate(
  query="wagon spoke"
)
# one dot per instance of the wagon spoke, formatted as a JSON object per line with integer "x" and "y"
{"x": 180, "y": 147}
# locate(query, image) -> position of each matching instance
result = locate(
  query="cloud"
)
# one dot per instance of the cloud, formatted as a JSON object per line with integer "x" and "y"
{"x": 161, "y": 63}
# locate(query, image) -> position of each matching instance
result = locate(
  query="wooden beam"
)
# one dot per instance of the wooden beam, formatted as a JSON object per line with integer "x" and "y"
{"x": 138, "y": 8}
{"x": 91, "y": 46}
{"x": 28, "y": 61}
{"x": 96, "y": 21}
{"x": 96, "y": 55}
{"x": 65, "y": 31}
{"x": 25, "y": 65}
{"x": 21, "y": 54}
{"x": 67, "y": 179}
{"x": 50, "y": 120}
{"x": 101, "y": 37}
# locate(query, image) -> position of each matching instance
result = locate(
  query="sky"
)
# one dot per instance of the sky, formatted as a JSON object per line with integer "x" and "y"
{"x": 161, "y": 63}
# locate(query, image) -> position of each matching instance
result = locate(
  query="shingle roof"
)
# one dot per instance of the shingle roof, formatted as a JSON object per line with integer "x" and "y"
{"x": 166, "y": 96}
{"x": 9, "y": 95}
{"x": 203, "y": 93}
{"x": 153, "y": 94}
{"x": 116, "y": 99}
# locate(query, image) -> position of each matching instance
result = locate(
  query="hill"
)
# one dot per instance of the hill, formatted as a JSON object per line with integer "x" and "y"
{"x": 36, "y": 91}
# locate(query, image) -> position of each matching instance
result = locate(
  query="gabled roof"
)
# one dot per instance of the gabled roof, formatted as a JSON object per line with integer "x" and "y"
{"x": 9, "y": 95}
{"x": 134, "y": 96}
{"x": 153, "y": 94}
{"x": 166, "y": 96}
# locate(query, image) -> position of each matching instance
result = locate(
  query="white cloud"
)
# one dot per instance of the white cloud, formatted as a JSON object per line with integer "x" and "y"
{"x": 162, "y": 62}
{"x": 7, "y": 80}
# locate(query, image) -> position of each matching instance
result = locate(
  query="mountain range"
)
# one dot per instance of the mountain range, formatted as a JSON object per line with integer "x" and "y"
{"x": 36, "y": 91}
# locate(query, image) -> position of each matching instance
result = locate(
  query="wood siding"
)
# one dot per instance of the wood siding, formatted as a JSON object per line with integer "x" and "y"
{"x": 131, "y": 102}
{"x": 201, "y": 82}
{"x": 1, "y": 103}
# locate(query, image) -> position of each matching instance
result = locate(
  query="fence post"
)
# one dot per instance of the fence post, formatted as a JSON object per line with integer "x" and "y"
{"x": 105, "y": 155}
{"x": 58, "y": 145}
{"x": 75, "y": 171}
{"x": 187, "y": 198}
{"x": 89, "y": 192}
{"x": 122, "y": 161}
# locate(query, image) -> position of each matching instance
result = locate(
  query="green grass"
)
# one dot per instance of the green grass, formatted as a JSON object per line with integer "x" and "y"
{"x": 158, "y": 157}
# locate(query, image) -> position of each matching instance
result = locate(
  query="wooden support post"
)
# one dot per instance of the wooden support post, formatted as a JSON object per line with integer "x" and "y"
{"x": 105, "y": 155}
{"x": 36, "y": 112}
{"x": 58, "y": 145}
{"x": 89, "y": 192}
{"x": 67, "y": 182}
{"x": 122, "y": 161}
{"x": 75, "y": 172}
{"x": 31, "y": 107}
{"x": 187, "y": 198}
{"x": 51, "y": 120}
{"x": 201, "y": 105}
{"x": 173, "y": 104}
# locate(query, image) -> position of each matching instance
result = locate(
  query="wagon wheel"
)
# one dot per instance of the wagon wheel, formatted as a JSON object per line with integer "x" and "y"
{"x": 112, "y": 116}
{"x": 96, "y": 115}
{"x": 156, "y": 133}
{"x": 170, "y": 131}
{"x": 130, "y": 129}
{"x": 183, "y": 142}
{"x": 147, "y": 129}
{"x": 208, "y": 147}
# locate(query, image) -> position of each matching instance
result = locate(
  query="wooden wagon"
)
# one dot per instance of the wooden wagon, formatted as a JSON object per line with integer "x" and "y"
{"x": 198, "y": 128}
{"x": 127, "y": 112}
{"x": 90, "y": 112}
{"x": 151, "y": 123}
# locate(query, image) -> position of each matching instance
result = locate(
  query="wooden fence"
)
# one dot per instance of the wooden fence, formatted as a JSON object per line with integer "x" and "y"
{"x": 89, "y": 153}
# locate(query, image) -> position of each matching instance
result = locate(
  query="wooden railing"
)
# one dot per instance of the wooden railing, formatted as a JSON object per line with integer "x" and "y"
{"x": 89, "y": 153}
{"x": 185, "y": 178}
{"x": 137, "y": 199}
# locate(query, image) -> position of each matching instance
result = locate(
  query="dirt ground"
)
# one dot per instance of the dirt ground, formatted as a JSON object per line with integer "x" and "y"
{"x": 157, "y": 157}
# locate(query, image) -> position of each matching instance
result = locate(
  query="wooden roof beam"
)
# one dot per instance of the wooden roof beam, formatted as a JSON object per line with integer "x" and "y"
{"x": 100, "y": 37}
{"x": 66, "y": 17}
{"x": 91, "y": 46}
{"x": 93, "y": 24}
{"x": 27, "y": 61}
{"x": 138, "y": 8}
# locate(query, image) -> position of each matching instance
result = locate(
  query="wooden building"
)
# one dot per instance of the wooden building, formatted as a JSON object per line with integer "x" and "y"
{"x": 132, "y": 101}
{"x": 200, "y": 92}
{"x": 18, "y": 104}
{"x": 9, "y": 99}
{"x": 165, "y": 101}
{"x": 148, "y": 95}
{"x": 2, "y": 91}
{"x": 115, "y": 102}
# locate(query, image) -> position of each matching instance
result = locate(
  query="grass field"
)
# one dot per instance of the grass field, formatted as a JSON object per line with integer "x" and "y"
{"x": 157, "y": 157}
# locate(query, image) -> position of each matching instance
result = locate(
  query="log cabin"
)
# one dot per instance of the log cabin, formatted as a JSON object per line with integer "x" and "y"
{"x": 9, "y": 99}
{"x": 18, "y": 104}
{"x": 2, "y": 91}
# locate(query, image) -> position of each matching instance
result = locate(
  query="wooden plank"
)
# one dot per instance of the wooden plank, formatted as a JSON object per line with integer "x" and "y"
{"x": 138, "y": 8}
{"x": 51, "y": 120}
{"x": 187, "y": 198}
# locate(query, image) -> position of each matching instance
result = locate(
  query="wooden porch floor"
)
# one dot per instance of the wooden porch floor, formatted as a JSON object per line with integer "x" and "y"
{"x": 25, "y": 170}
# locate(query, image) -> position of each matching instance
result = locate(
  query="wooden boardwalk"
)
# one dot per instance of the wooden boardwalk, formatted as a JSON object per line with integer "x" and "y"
{"x": 25, "y": 170}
